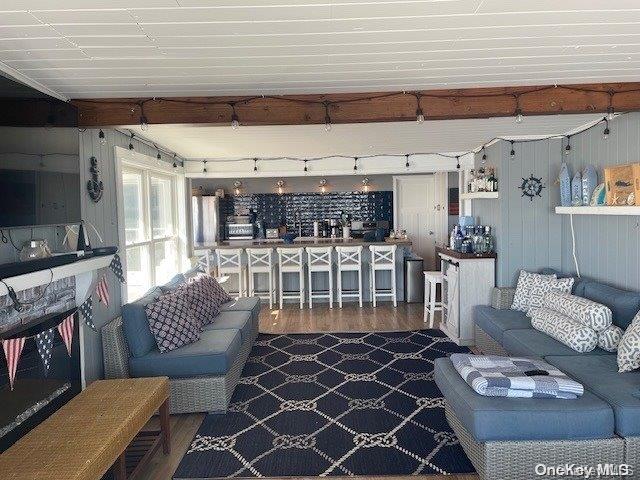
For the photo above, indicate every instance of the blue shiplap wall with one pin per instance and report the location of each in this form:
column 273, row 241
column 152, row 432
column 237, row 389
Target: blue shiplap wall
column 608, row 247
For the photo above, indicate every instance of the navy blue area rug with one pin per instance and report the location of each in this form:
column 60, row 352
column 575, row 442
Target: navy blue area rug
column 332, row 404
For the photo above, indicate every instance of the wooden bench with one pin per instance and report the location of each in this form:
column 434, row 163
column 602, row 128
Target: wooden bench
column 88, row 435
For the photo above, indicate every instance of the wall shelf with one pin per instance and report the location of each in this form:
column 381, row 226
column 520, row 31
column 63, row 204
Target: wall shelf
column 599, row 210
column 478, row 195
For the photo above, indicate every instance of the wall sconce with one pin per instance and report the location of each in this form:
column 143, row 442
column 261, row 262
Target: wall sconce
column 323, row 185
column 280, row 186
column 237, row 186
column 365, row 184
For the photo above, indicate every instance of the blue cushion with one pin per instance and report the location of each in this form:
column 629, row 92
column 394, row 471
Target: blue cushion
column 247, row 304
column 238, row 320
column 495, row 322
column 174, row 283
column 623, row 303
column 136, row 326
column 500, row 418
column 212, row 355
column 578, row 284
column 533, row 343
column 599, row 374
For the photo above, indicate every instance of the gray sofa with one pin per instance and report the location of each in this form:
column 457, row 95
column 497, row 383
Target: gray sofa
column 505, row 438
column 203, row 374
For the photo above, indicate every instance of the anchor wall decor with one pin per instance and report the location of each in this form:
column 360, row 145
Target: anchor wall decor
column 94, row 184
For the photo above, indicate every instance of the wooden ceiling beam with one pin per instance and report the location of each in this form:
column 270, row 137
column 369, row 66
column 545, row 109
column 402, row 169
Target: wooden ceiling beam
column 362, row 107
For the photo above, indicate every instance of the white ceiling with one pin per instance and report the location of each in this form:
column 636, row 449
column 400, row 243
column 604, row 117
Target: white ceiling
column 300, row 141
column 116, row 48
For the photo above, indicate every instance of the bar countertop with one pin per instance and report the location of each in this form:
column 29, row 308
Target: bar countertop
column 300, row 242
column 463, row 256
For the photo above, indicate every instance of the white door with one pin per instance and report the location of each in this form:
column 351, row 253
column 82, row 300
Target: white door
column 419, row 210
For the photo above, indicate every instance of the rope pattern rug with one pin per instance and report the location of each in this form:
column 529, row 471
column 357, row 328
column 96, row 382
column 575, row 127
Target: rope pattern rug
column 332, row 404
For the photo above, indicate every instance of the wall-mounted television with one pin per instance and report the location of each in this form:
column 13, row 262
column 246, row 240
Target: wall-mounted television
column 39, row 158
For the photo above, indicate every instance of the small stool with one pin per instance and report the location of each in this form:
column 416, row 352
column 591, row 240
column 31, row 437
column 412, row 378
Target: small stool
column 349, row 260
column 230, row 263
column 291, row 260
column 431, row 280
column 319, row 259
column 383, row 259
column 261, row 261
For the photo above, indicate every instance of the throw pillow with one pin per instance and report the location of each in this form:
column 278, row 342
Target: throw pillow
column 573, row 334
column 629, row 347
column 592, row 314
column 610, row 337
column 526, row 281
column 541, row 288
column 203, row 301
column 219, row 294
column 172, row 322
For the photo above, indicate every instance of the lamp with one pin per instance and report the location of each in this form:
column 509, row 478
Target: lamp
column 237, row 185
column 323, row 185
column 365, row 184
column 280, row 184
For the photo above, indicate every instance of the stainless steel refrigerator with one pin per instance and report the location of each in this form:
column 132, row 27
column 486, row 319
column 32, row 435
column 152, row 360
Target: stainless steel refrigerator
column 206, row 219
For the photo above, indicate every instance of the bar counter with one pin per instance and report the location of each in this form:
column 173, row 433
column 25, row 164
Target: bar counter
column 300, row 242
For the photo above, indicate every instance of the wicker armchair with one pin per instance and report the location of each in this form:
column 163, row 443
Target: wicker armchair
column 501, row 299
column 188, row 395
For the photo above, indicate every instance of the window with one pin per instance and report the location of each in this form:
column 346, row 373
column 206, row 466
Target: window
column 151, row 218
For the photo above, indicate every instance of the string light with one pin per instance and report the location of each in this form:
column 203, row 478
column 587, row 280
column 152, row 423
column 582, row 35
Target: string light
column 255, row 165
column 158, row 156
column 419, row 112
column 204, row 166
column 131, row 142
column 606, row 131
column 365, row 184
column 611, row 114
column 406, row 164
column 175, row 163
column 280, row 184
column 567, row 149
column 355, row 164
column 305, row 165
column 512, row 153
column 458, row 162
column 102, row 138
column 484, row 156
column 519, row 116
column 327, row 117
column 323, row 185
column 235, row 123
column 144, row 126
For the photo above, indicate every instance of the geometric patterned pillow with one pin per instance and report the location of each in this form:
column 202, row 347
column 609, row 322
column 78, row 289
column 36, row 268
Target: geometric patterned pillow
column 589, row 313
column 219, row 294
column 629, row 347
column 543, row 286
column 573, row 334
column 171, row 321
column 526, row 282
column 202, row 302
column 610, row 337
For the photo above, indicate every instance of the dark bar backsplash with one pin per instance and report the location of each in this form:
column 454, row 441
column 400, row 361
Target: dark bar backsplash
column 275, row 209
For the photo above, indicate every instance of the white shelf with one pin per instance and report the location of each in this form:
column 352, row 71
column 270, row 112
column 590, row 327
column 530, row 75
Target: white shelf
column 599, row 210
column 43, row 277
column 477, row 195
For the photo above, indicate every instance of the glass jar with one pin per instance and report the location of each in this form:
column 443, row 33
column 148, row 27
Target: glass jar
column 488, row 240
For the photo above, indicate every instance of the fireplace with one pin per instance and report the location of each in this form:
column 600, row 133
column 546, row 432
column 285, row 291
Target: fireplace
column 38, row 392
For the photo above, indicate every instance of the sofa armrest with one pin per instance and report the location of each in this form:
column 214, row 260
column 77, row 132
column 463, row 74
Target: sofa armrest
column 502, row 297
column 115, row 351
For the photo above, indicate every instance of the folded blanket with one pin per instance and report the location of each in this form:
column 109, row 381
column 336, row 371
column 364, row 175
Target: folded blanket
column 496, row 376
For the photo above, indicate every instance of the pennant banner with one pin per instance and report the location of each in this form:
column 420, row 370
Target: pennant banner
column 102, row 290
column 44, row 342
column 86, row 310
column 65, row 329
column 12, row 351
column 116, row 267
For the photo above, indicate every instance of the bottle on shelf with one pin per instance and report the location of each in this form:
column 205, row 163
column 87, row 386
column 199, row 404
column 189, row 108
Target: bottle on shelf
column 492, row 181
column 488, row 240
column 471, row 183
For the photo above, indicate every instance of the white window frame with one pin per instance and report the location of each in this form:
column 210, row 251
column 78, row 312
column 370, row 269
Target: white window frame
column 149, row 167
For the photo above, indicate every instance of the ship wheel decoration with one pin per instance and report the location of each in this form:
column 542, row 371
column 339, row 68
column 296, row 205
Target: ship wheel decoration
column 532, row 187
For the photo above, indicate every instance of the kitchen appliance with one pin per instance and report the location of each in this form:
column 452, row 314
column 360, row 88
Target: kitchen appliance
column 360, row 228
column 272, row 233
column 240, row 227
column 334, row 225
column 206, row 219
column 413, row 280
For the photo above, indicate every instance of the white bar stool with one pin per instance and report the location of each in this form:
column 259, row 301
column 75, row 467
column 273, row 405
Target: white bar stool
column 431, row 280
column 261, row 261
column 320, row 259
column 230, row 263
column 383, row 259
column 203, row 259
column 349, row 260
column 291, row 260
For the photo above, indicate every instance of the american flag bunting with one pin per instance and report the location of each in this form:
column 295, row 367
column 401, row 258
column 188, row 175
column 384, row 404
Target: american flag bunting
column 65, row 329
column 44, row 342
column 116, row 267
column 102, row 290
column 86, row 310
column 12, row 351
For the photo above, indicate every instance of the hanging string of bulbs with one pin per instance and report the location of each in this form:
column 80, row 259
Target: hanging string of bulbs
column 457, row 156
column 176, row 161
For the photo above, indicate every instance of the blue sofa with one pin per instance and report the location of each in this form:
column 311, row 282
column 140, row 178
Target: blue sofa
column 203, row 374
column 505, row 438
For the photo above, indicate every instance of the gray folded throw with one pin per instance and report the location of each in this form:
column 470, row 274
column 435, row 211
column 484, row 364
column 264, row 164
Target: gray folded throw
column 496, row 376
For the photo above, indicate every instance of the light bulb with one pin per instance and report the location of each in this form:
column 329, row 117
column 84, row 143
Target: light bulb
column 102, row 138
column 158, row 156
column 512, row 153
column 235, row 124
column 323, row 189
column 327, row 125
column 144, row 126
column 519, row 116
column 605, row 133
column 419, row 115
column 567, row 149
column 610, row 113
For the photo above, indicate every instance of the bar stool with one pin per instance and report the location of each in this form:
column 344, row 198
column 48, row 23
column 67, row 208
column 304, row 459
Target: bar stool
column 230, row 263
column 383, row 259
column 261, row 261
column 291, row 260
column 320, row 259
column 349, row 260
column 431, row 280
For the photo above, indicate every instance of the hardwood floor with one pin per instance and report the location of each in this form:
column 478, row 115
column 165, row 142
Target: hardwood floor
column 293, row 320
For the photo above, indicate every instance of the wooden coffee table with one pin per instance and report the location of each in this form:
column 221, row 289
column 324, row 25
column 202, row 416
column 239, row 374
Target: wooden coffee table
column 91, row 433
